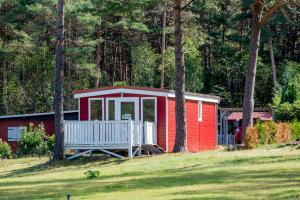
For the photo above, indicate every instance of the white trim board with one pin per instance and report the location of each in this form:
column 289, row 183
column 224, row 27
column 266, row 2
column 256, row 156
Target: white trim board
column 147, row 92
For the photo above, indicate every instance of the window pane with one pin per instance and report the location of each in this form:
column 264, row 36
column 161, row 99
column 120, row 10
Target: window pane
column 111, row 109
column 96, row 110
column 127, row 110
column 149, row 110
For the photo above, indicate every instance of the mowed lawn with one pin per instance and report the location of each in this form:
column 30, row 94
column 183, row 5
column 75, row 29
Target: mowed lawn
column 267, row 173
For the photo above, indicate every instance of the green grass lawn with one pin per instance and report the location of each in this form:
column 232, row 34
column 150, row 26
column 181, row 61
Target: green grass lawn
column 266, row 173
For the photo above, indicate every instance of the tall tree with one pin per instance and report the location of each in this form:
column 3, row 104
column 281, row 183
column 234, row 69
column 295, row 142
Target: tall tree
column 180, row 141
column 273, row 62
column 58, row 99
column 258, row 22
column 163, row 45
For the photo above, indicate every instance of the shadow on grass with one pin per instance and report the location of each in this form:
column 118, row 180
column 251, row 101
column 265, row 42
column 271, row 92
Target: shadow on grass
column 79, row 163
column 80, row 187
column 199, row 175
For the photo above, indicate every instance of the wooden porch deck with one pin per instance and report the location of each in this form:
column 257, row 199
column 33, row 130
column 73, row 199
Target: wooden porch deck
column 109, row 135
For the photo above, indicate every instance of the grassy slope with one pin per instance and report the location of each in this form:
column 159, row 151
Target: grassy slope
column 272, row 173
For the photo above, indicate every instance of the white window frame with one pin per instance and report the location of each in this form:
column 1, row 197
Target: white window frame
column 107, row 107
column 200, row 111
column 95, row 99
column 155, row 107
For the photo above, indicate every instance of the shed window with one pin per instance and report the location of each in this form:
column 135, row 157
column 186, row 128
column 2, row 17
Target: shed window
column 96, row 109
column 111, row 109
column 199, row 111
column 149, row 110
column 13, row 133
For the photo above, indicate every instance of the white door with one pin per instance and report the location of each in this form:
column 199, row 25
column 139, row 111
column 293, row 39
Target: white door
column 123, row 108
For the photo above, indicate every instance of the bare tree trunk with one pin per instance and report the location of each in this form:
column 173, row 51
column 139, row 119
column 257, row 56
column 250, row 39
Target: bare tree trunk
column 273, row 64
column 248, row 104
column 98, row 60
column 163, row 46
column 69, row 89
column 180, row 141
column 58, row 99
column 4, row 85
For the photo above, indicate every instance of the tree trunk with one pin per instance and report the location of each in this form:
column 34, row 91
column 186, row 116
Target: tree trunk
column 163, row 46
column 69, row 89
column 98, row 61
column 58, row 99
column 273, row 64
column 248, row 104
column 4, row 85
column 180, row 141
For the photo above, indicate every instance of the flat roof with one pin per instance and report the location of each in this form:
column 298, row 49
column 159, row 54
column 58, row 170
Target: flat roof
column 143, row 90
column 35, row 114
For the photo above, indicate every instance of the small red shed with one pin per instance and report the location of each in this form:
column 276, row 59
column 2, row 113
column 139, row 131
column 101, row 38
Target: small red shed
column 155, row 107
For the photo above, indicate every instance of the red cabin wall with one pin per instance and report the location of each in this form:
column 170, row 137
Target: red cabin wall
column 200, row 135
column 5, row 123
column 161, row 112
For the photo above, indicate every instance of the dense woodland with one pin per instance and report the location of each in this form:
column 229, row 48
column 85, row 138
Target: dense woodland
column 113, row 42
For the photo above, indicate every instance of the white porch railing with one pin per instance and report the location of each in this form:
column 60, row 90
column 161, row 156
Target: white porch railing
column 150, row 133
column 108, row 134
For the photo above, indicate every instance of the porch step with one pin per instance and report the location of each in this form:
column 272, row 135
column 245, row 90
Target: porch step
column 152, row 149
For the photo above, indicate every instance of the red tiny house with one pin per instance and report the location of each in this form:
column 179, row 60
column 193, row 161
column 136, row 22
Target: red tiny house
column 128, row 118
column 201, row 132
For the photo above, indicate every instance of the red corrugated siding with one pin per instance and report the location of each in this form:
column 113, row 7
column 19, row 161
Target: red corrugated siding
column 161, row 122
column 200, row 135
column 171, row 124
column 4, row 124
column 208, row 126
column 161, row 113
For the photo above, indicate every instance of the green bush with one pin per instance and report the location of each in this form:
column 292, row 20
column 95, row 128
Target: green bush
column 120, row 83
column 295, row 129
column 51, row 142
column 32, row 141
column 261, row 132
column 5, row 150
column 270, row 131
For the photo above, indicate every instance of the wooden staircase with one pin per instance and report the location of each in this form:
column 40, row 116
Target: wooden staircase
column 152, row 149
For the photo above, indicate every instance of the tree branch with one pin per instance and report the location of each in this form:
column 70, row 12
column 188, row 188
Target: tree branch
column 270, row 12
column 186, row 5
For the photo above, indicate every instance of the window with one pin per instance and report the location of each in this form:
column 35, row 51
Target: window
column 199, row 111
column 149, row 110
column 13, row 134
column 96, row 109
column 111, row 109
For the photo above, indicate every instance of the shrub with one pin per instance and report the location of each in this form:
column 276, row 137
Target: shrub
column 251, row 139
column 5, row 150
column 51, row 142
column 260, row 126
column 283, row 133
column 32, row 141
column 120, row 83
column 270, row 132
column 90, row 174
column 295, row 129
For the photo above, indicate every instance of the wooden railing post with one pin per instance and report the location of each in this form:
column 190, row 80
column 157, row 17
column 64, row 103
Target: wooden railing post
column 140, row 137
column 130, row 136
